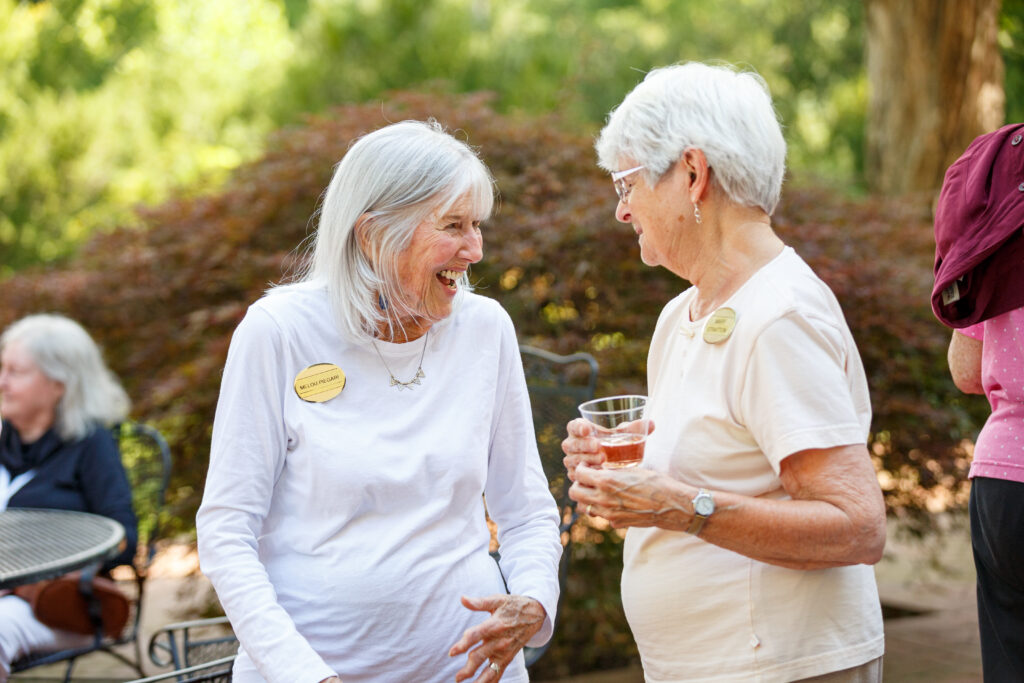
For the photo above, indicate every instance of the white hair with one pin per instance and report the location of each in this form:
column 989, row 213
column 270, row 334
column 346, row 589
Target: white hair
column 724, row 112
column 65, row 353
column 390, row 181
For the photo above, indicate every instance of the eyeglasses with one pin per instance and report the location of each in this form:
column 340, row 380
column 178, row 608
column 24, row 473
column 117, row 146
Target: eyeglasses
column 619, row 180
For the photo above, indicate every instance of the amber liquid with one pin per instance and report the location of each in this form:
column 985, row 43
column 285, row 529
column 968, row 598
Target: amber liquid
column 622, row 450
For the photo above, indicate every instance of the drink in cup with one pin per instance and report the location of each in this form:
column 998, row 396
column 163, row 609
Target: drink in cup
column 621, row 423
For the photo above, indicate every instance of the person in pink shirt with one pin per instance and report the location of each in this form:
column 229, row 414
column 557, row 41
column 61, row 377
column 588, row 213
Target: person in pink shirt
column 987, row 357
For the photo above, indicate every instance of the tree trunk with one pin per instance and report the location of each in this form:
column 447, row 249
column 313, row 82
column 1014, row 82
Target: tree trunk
column 935, row 82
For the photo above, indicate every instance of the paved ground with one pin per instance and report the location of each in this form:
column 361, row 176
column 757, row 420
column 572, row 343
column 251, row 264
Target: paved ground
column 927, row 587
column 936, row 579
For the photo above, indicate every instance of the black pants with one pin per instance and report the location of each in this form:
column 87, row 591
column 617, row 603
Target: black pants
column 997, row 537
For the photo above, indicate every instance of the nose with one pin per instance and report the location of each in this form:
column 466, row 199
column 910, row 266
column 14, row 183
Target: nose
column 472, row 247
column 622, row 212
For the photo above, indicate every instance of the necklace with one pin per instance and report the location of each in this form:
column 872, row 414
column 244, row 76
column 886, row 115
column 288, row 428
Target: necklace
column 395, row 382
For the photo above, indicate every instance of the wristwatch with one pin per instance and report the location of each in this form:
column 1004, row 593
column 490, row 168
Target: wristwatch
column 703, row 506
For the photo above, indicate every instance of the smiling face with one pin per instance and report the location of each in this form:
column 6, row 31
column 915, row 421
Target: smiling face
column 441, row 250
column 28, row 398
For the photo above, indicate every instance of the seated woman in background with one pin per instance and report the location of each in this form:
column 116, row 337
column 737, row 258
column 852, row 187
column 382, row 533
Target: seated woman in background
column 57, row 398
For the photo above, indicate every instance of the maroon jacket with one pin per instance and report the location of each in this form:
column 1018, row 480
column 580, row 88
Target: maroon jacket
column 979, row 231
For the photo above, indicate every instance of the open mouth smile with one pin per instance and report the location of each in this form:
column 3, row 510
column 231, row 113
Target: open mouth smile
column 449, row 278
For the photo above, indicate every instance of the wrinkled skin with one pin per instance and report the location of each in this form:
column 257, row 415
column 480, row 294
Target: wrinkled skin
column 834, row 515
column 625, row 497
column 514, row 620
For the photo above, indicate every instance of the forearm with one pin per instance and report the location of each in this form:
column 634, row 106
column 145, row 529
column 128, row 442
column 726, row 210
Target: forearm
column 798, row 534
column 829, row 511
column 530, row 552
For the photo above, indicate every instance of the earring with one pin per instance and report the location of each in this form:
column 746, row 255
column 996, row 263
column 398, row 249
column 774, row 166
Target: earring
column 696, row 212
column 382, row 302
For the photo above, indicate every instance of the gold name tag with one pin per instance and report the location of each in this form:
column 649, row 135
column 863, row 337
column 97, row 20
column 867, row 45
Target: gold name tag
column 720, row 325
column 319, row 382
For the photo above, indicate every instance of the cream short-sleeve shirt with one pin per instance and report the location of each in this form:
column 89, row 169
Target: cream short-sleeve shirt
column 788, row 378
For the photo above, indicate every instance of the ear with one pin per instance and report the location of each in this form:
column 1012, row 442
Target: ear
column 695, row 165
column 57, row 390
column 362, row 230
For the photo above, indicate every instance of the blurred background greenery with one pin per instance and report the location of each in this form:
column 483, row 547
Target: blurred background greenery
column 106, row 104
column 160, row 160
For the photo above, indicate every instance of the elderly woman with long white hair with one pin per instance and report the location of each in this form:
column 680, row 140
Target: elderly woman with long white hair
column 756, row 512
column 364, row 414
column 57, row 398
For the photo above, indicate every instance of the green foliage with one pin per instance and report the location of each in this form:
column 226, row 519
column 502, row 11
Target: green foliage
column 142, row 461
column 105, row 104
column 1011, row 42
column 163, row 302
column 581, row 56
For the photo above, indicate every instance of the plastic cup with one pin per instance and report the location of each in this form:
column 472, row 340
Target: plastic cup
column 621, row 423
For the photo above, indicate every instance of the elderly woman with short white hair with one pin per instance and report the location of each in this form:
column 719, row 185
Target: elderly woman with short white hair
column 756, row 512
column 364, row 414
column 57, row 397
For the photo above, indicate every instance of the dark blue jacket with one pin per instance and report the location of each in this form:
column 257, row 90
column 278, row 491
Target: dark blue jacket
column 84, row 475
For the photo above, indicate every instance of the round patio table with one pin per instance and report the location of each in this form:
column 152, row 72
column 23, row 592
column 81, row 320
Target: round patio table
column 38, row 544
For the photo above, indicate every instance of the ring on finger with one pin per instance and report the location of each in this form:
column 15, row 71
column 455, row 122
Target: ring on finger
column 588, row 509
column 495, row 667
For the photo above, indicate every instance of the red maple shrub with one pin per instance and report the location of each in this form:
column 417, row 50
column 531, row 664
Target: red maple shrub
column 163, row 302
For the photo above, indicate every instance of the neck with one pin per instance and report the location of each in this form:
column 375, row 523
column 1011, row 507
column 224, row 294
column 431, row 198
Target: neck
column 738, row 242
column 31, row 430
column 404, row 331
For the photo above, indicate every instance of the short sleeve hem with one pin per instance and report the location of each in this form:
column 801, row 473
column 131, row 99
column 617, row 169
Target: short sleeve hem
column 831, row 436
column 975, row 331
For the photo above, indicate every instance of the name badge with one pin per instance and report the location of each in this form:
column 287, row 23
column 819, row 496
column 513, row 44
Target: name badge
column 319, row 382
column 720, row 325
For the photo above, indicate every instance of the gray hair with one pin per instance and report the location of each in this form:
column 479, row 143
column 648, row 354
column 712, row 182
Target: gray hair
column 392, row 179
column 65, row 353
column 724, row 112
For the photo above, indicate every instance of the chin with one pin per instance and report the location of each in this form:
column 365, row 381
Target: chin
column 648, row 259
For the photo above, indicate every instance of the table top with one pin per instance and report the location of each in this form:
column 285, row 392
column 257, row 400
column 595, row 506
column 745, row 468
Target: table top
column 42, row 544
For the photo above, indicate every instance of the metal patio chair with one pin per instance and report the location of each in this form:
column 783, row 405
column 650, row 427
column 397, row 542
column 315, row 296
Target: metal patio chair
column 147, row 461
column 216, row 671
column 191, row 643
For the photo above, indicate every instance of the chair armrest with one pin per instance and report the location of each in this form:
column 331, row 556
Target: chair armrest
column 177, row 644
column 217, row 671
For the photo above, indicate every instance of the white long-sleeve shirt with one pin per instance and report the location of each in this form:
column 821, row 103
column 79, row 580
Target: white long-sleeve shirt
column 340, row 535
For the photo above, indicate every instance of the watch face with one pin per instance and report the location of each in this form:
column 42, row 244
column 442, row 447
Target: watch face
column 704, row 504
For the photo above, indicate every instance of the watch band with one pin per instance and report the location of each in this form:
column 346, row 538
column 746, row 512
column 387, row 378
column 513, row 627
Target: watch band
column 697, row 524
column 698, row 519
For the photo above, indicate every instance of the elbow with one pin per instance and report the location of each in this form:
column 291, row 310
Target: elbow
column 967, row 383
column 870, row 541
column 873, row 549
